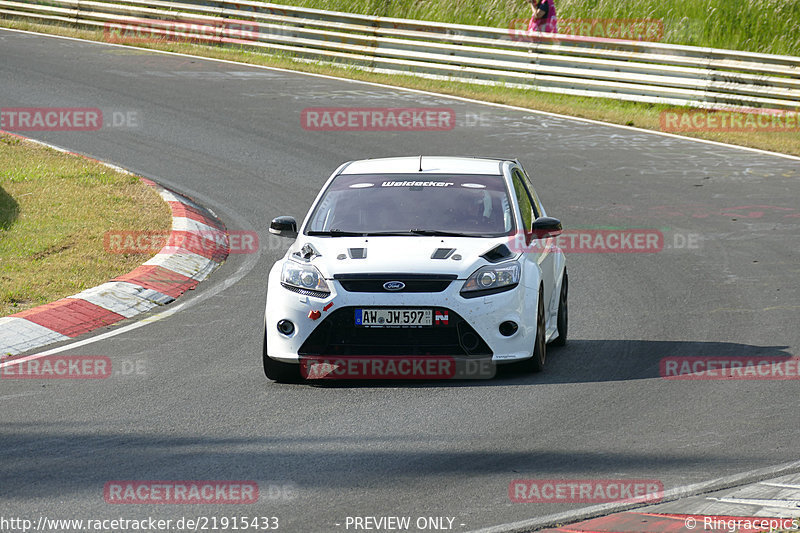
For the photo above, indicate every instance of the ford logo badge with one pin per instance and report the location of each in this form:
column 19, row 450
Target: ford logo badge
column 394, row 285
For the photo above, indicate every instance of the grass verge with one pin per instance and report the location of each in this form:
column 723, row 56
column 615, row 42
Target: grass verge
column 54, row 210
column 770, row 27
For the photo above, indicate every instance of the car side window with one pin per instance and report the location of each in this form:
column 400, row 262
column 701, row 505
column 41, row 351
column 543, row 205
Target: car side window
column 537, row 207
column 524, row 201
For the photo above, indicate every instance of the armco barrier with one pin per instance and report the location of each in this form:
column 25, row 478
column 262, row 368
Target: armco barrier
column 588, row 66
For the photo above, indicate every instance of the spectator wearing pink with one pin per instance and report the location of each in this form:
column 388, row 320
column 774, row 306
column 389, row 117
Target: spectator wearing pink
column 544, row 16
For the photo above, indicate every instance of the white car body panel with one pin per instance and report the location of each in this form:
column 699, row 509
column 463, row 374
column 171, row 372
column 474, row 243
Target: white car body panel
column 382, row 254
column 412, row 254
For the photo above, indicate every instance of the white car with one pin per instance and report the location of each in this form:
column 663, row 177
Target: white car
column 418, row 257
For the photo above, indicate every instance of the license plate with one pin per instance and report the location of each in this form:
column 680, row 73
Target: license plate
column 382, row 318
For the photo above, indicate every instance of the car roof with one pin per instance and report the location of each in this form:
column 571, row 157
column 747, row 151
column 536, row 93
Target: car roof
column 429, row 165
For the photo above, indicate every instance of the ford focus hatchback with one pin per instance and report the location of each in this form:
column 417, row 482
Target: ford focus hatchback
column 418, row 257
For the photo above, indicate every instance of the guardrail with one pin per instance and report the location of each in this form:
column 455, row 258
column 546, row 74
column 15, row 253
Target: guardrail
column 626, row 70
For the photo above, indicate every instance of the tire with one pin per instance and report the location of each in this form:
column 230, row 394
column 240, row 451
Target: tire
column 563, row 313
column 277, row 370
column 536, row 363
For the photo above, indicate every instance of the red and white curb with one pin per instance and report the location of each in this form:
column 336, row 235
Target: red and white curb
column 159, row 281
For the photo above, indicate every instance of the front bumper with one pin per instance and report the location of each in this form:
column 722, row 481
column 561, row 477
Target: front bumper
column 333, row 331
column 450, row 334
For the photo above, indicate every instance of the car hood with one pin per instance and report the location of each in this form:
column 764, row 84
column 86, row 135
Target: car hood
column 424, row 255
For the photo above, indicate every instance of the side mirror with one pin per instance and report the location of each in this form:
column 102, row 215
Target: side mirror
column 283, row 227
column 544, row 227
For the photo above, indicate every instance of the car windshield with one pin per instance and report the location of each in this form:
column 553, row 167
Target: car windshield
column 411, row 204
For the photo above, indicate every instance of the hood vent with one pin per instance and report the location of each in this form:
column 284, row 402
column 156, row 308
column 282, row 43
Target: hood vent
column 442, row 253
column 357, row 253
column 498, row 253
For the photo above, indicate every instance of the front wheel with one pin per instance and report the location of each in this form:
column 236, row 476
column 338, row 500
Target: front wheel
column 536, row 363
column 277, row 370
column 563, row 313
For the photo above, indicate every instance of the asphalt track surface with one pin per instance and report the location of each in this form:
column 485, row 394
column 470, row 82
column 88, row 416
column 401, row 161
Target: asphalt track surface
column 230, row 136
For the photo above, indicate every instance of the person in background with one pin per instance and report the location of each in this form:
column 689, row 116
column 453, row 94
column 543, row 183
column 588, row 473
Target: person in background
column 544, row 16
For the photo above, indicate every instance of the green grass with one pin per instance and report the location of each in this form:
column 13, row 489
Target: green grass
column 54, row 211
column 767, row 26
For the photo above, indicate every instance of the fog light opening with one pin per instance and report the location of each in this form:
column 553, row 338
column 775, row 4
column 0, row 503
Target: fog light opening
column 508, row 328
column 286, row 327
column 469, row 341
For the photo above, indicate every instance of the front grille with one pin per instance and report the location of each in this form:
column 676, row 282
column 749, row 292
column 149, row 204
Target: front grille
column 413, row 282
column 337, row 334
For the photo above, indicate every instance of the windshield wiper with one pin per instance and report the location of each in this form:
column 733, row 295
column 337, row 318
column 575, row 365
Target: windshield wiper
column 439, row 233
column 337, row 233
column 422, row 232
column 417, row 232
column 341, row 233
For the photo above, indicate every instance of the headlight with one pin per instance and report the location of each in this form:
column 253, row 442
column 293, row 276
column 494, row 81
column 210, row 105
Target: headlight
column 491, row 279
column 304, row 277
